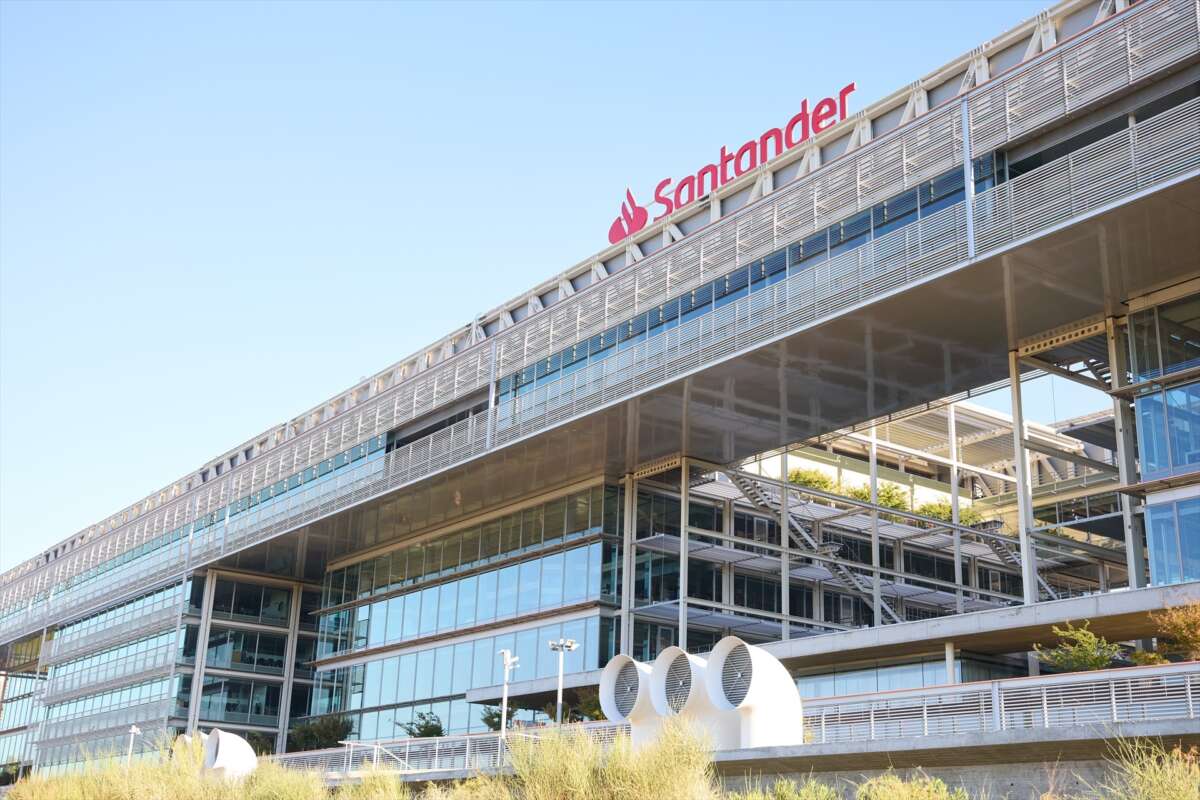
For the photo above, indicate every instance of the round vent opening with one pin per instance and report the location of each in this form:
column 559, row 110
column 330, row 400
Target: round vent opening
column 736, row 673
column 625, row 688
column 679, row 682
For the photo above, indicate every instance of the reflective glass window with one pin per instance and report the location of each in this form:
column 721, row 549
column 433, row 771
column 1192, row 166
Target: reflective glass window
column 529, row 591
column 552, row 581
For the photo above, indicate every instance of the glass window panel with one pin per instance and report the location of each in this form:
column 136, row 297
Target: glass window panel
column 489, row 544
column 531, row 528
column 447, row 605
column 1183, row 421
column 275, row 604
column 552, row 581
column 486, row 602
column 576, row 629
column 466, row 601
column 423, row 688
column 1152, row 434
column 554, row 520
column 461, row 680
column 406, row 677
column 575, row 582
column 376, row 634
column 1179, row 332
column 395, row 619
column 528, row 645
column 429, row 610
column 506, row 600
column 510, row 534
column 595, row 568
column 482, row 663
column 387, row 681
column 371, row 683
column 1189, row 538
column 529, row 592
column 443, row 670
column 547, row 658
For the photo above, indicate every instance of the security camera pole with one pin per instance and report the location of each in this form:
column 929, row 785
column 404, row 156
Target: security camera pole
column 561, row 646
column 510, row 663
column 134, row 730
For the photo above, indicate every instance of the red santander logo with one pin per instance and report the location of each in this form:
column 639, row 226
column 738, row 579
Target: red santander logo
column 673, row 195
column 633, row 218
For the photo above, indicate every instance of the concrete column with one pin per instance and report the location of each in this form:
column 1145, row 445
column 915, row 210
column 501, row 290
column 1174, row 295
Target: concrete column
column 628, row 562
column 951, row 674
column 289, row 669
column 1131, row 523
column 952, row 437
column 876, row 589
column 727, row 569
column 210, row 588
column 1029, row 573
column 683, row 551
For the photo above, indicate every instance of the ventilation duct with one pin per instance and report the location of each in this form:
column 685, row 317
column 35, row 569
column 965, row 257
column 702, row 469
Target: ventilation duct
column 678, row 689
column 625, row 697
column 752, row 684
column 228, row 755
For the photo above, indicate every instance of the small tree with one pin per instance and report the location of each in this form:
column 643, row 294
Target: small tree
column 319, row 733
column 424, row 724
column 813, row 479
column 1078, row 650
column 1179, row 631
column 490, row 716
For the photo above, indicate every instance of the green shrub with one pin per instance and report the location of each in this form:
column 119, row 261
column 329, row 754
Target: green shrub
column 813, row 479
column 787, row 789
column 1078, row 650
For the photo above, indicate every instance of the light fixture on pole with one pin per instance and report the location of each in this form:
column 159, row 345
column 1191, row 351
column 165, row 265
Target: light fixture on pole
column 561, row 647
column 510, row 663
column 134, row 730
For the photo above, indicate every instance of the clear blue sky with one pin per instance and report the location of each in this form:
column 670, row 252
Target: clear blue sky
column 214, row 216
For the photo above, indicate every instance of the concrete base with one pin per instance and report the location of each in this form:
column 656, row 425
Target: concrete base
column 1023, row 781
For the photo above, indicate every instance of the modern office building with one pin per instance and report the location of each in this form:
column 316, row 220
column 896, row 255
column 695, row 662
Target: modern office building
column 600, row 458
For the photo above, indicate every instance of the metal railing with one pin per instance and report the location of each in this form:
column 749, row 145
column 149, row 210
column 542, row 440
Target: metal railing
column 1150, row 37
column 476, row 751
column 1089, row 699
column 1104, row 698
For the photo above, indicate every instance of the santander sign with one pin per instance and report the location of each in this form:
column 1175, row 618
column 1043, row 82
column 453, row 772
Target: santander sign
column 673, row 195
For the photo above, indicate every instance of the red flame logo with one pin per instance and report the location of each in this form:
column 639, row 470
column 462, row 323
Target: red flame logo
column 633, row 218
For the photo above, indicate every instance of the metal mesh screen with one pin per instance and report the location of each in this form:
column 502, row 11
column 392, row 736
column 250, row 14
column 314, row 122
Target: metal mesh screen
column 736, row 674
column 679, row 682
column 625, row 690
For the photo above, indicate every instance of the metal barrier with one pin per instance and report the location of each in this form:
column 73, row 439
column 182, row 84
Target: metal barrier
column 1086, row 699
column 1135, row 694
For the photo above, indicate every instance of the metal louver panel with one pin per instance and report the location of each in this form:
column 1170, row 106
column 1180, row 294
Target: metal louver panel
column 736, row 673
column 625, row 689
column 679, row 682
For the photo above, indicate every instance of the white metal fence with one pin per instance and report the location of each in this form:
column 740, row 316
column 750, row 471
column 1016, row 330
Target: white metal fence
column 1097, row 700
column 1136, row 694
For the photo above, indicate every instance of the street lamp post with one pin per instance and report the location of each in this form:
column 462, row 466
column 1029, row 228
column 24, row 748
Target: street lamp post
column 562, row 646
column 134, row 730
column 510, row 663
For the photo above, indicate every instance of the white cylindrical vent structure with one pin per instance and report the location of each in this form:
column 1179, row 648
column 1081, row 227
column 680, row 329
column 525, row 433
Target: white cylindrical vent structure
column 677, row 689
column 625, row 697
column 750, row 682
column 228, row 755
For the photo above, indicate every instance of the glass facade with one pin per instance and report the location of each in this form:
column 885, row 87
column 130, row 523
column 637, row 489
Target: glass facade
column 250, row 702
column 382, row 695
column 890, row 677
column 1173, row 539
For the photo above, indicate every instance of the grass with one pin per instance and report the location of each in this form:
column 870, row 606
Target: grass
column 571, row 765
